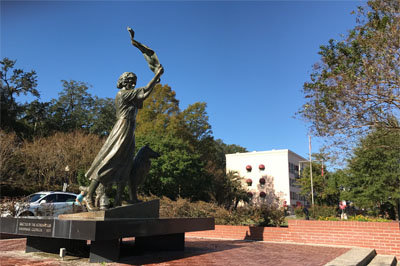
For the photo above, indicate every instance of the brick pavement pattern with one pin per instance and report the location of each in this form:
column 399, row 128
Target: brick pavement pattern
column 197, row 252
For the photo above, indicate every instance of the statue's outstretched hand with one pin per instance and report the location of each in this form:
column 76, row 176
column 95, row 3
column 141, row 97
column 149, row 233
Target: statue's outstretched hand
column 131, row 32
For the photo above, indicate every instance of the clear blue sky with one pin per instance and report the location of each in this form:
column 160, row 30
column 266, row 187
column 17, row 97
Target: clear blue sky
column 246, row 60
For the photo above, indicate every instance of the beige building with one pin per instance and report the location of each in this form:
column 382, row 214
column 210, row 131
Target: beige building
column 269, row 175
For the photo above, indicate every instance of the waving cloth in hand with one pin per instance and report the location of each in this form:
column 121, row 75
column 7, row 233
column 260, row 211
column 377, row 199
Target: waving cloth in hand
column 148, row 53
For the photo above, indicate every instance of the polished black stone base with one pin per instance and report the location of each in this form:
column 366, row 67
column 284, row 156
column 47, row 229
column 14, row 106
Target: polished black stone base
column 104, row 250
column 47, row 234
column 53, row 245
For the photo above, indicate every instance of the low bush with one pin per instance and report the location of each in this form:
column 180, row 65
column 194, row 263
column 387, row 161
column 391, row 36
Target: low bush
column 317, row 212
column 246, row 215
column 358, row 218
column 362, row 218
column 323, row 211
column 9, row 206
column 298, row 211
column 272, row 215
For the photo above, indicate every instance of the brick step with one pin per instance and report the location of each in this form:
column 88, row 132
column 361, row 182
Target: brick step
column 354, row 257
column 383, row 260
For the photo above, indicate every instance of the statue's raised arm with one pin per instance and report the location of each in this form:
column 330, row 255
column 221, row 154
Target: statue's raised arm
column 148, row 53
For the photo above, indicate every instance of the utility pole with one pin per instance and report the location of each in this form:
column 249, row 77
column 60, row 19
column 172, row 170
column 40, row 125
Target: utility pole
column 311, row 178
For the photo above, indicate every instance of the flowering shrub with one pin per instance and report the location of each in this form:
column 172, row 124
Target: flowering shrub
column 358, row 218
column 362, row 218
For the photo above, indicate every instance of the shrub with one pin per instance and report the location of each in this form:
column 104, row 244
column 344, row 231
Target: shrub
column 323, row 211
column 298, row 211
column 362, row 218
column 45, row 159
column 319, row 212
column 245, row 215
column 8, row 206
column 10, row 162
column 272, row 216
column 358, row 218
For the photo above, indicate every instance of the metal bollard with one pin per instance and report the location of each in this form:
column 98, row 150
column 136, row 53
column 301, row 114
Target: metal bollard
column 63, row 251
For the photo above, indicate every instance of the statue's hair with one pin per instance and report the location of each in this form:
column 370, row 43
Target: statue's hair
column 122, row 79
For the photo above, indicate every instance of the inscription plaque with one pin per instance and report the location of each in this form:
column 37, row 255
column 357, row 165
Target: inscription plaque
column 42, row 228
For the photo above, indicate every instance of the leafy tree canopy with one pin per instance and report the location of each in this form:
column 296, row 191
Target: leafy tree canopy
column 325, row 184
column 13, row 85
column 77, row 109
column 356, row 85
column 179, row 172
column 373, row 180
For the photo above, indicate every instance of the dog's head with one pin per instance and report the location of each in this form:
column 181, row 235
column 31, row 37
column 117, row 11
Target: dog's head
column 150, row 153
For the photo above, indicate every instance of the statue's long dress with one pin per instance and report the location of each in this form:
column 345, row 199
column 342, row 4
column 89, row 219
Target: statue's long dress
column 114, row 160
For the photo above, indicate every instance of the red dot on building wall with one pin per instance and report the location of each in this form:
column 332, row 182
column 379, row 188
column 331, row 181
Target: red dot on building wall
column 262, row 180
column 262, row 194
column 249, row 181
column 250, row 194
column 248, row 168
column 261, row 167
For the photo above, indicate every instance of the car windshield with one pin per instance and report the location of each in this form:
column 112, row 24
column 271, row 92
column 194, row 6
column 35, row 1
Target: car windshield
column 35, row 197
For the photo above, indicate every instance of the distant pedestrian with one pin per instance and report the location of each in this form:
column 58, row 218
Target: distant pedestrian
column 285, row 208
column 342, row 206
column 306, row 212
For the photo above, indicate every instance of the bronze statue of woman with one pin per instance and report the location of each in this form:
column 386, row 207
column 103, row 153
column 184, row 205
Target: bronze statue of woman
column 114, row 161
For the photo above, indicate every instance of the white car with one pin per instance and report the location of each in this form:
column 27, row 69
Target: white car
column 48, row 203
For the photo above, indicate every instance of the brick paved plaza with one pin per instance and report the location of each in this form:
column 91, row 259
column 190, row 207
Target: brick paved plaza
column 198, row 252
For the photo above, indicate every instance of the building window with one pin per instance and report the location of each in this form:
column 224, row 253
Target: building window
column 294, row 169
column 294, row 196
column 293, row 182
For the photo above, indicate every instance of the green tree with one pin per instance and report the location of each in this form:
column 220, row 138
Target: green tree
column 373, row 180
column 181, row 137
column 13, row 85
column 195, row 119
column 192, row 164
column 326, row 185
column 356, row 85
column 228, row 190
column 158, row 110
column 103, row 116
column 37, row 120
column 221, row 149
column 179, row 172
column 73, row 108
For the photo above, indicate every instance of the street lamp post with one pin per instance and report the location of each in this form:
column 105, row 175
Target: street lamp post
column 65, row 185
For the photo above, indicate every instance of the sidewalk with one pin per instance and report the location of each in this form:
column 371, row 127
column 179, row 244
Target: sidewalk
column 197, row 252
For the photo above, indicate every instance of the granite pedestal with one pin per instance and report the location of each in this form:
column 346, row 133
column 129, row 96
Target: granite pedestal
column 47, row 234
